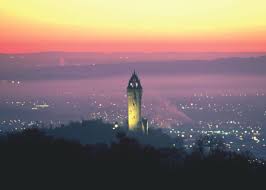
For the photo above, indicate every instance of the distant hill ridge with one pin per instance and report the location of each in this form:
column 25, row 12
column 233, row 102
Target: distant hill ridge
column 94, row 65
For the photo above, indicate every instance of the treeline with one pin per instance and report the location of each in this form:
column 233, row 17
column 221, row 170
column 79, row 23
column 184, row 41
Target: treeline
column 97, row 131
column 34, row 159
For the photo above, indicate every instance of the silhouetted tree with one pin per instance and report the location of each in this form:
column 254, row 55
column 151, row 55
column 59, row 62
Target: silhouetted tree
column 34, row 158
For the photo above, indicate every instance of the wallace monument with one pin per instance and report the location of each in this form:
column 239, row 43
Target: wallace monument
column 134, row 96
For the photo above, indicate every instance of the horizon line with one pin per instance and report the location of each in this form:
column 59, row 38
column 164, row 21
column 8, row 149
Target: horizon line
column 111, row 52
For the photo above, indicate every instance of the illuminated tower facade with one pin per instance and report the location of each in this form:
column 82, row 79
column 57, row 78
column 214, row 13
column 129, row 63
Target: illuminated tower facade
column 134, row 95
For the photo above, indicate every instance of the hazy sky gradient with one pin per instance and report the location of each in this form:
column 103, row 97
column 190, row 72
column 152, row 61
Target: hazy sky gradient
column 119, row 25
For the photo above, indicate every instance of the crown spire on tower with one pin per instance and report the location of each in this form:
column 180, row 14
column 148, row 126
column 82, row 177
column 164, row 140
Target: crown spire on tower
column 134, row 82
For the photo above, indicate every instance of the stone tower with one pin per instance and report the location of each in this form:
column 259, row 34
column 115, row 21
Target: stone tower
column 134, row 95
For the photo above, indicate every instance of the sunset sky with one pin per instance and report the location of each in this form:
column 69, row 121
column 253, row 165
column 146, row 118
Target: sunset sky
column 139, row 25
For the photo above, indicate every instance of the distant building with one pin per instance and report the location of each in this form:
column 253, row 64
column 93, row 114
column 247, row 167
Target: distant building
column 145, row 126
column 134, row 96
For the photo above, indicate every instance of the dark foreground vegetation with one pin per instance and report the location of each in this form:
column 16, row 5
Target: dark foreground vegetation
column 97, row 131
column 33, row 159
